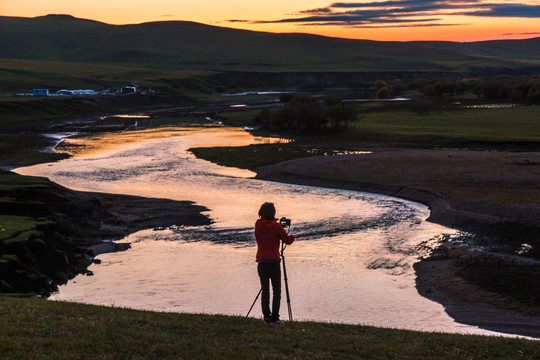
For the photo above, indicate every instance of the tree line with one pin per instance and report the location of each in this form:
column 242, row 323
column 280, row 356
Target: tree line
column 518, row 89
column 306, row 112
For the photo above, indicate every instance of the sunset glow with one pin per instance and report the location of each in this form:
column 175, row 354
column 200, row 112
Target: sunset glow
column 401, row 20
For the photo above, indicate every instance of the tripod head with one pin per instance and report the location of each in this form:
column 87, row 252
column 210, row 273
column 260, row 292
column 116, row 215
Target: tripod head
column 284, row 222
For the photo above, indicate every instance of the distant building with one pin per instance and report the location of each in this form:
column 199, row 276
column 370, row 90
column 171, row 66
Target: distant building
column 65, row 92
column 130, row 89
column 41, row 92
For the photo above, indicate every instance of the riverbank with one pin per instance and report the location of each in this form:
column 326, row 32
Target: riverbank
column 479, row 278
column 50, row 233
column 409, row 172
column 462, row 187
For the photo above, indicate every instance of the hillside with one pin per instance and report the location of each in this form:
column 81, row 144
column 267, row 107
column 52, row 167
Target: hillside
column 188, row 45
column 526, row 49
column 39, row 329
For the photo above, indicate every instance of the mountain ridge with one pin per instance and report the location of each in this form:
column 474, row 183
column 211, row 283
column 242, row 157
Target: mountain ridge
column 186, row 44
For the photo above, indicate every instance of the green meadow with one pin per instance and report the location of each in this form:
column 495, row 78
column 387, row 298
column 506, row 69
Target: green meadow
column 450, row 128
column 23, row 75
column 33, row 248
column 41, row 329
column 390, row 125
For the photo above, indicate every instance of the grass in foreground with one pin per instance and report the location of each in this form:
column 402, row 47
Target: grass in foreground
column 40, row 329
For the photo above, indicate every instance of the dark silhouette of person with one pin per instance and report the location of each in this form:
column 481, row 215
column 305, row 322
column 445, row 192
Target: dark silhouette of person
column 269, row 235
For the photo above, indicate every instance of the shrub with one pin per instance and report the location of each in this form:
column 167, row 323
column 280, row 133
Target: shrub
column 305, row 112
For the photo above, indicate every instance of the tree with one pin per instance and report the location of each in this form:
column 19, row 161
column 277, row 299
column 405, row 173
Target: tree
column 383, row 93
column 533, row 96
column 341, row 117
column 397, row 87
column 379, row 84
column 422, row 106
column 305, row 112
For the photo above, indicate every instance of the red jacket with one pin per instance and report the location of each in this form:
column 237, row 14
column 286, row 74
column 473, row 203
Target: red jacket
column 268, row 234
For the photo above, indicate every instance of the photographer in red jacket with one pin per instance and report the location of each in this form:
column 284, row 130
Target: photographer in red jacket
column 269, row 233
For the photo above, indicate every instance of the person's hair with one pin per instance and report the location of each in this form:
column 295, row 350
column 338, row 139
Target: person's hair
column 267, row 211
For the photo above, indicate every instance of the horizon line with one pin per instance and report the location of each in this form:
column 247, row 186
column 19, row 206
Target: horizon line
column 533, row 35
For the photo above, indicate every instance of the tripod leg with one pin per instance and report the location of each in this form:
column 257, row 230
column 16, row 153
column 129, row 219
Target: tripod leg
column 287, row 288
column 254, row 301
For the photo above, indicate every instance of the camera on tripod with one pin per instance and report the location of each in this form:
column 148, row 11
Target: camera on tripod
column 284, row 222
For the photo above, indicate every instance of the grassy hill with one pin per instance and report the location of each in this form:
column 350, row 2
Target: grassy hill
column 188, row 45
column 526, row 49
column 40, row 329
column 21, row 75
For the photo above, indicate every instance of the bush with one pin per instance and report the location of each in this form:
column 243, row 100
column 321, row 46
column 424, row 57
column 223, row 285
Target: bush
column 533, row 96
column 501, row 88
column 383, row 93
column 305, row 112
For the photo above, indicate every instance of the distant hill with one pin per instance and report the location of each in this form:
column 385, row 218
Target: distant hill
column 188, row 45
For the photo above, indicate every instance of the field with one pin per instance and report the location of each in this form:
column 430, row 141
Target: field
column 23, row 75
column 473, row 127
column 40, row 329
column 383, row 126
column 444, row 128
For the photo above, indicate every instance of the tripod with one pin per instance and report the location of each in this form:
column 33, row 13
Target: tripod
column 283, row 246
column 254, row 301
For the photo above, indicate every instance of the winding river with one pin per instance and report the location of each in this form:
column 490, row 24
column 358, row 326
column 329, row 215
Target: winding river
column 351, row 263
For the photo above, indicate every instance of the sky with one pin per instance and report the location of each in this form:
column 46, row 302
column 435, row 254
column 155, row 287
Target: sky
column 383, row 20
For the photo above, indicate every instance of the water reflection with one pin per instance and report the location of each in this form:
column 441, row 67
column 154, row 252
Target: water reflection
column 106, row 142
column 351, row 262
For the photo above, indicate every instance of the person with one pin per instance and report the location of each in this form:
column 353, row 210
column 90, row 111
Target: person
column 269, row 233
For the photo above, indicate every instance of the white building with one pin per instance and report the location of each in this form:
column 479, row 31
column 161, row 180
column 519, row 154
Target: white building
column 130, row 89
column 65, row 92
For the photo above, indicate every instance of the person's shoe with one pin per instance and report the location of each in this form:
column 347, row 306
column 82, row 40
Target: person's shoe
column 276, row 322
column 267, row 320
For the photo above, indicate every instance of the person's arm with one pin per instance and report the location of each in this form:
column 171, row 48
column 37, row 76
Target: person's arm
column 287, row 239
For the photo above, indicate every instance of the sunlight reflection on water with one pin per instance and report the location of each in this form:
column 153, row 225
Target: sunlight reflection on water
column 352, row 261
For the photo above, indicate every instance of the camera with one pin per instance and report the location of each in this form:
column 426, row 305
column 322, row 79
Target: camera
column 285, row 222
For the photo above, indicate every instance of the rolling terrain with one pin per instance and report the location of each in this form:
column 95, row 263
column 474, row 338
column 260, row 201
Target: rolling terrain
column 188, row 45
column 186, row 62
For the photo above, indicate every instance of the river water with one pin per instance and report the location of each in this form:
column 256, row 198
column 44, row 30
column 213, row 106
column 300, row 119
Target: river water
column 351, row 263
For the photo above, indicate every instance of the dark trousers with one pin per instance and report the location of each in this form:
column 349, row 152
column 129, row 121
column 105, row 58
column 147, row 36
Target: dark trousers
column 270, row 272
